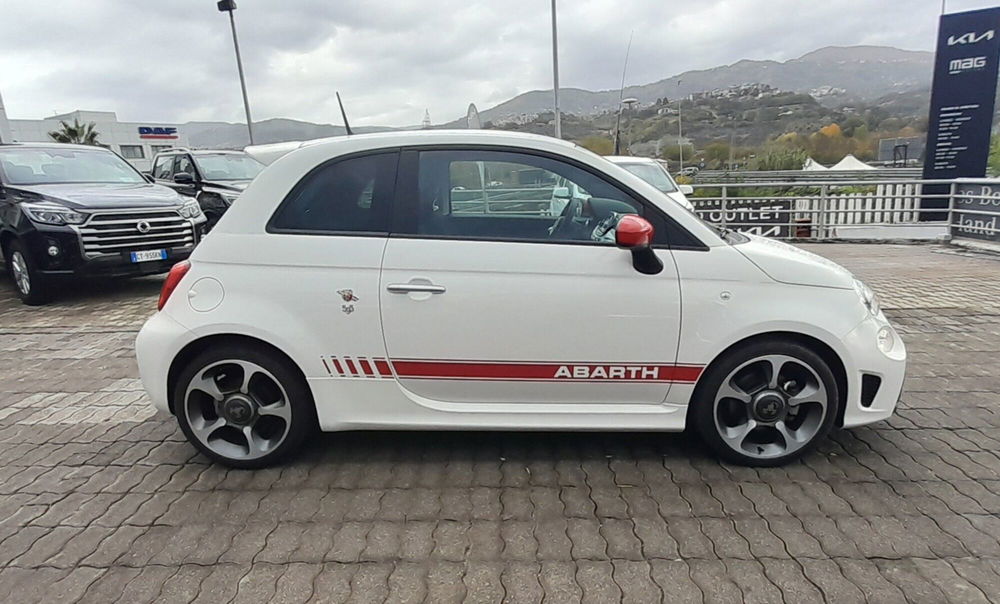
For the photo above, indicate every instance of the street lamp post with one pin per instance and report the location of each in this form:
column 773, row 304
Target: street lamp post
column 680, row 132
column 228, row 6
column 555, row 72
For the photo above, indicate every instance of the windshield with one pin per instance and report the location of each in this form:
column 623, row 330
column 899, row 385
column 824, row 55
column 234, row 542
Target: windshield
column 654, row 175
column 23, row 166
column 228, row 166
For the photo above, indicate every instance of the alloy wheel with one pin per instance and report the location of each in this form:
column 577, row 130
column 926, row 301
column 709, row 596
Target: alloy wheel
column 770, row 406
column 237, row 409
column 19, row 268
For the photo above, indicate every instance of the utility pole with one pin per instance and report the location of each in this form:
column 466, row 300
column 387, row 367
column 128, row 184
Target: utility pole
column 731, row 137
column 555, row 71
column 228, row 6
column 680, row 131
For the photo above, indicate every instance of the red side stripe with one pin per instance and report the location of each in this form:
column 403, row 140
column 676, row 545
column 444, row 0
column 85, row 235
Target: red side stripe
column 545, row 371
column 366, row 367
column 350, row 366
column 336, row 365
column 383, row 367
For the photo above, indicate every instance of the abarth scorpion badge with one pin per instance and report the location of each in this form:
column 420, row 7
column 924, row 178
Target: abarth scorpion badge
column 348, row 296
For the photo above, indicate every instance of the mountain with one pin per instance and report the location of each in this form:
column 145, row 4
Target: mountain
column 225, row 135
column 838, row 73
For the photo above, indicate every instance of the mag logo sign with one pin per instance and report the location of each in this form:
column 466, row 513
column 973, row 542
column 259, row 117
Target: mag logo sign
column 962, row 97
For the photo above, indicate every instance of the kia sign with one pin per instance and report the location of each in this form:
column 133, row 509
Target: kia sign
column 962, row 99
column 157, row 132
column 977, row 211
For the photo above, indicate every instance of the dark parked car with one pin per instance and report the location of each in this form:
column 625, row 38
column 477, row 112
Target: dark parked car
column 71, row 211
column 214, row 178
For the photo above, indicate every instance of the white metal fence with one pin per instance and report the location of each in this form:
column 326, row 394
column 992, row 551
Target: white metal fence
column 864, row 209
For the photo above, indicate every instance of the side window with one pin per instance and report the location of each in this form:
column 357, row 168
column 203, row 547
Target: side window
column 350, row 195
column 162, row 168
column 509, row 195
column 183, row 163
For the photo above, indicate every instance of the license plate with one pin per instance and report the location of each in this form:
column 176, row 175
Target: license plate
column 147, row 255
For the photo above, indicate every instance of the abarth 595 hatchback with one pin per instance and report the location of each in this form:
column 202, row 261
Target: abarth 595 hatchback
column 420, row 281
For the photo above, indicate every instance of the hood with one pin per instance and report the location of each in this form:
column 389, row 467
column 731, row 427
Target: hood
column 789, row 264
column 86, row 196
column 232, row 185
column 678, row 198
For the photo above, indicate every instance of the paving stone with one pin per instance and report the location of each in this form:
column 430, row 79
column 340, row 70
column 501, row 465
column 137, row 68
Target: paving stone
column 102, row 501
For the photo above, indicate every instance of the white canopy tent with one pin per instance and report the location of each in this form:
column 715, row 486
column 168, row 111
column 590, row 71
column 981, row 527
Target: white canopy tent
column 811, row 165
column 851, row 163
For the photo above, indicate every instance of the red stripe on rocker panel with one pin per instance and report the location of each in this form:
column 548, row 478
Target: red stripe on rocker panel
column 546, row 371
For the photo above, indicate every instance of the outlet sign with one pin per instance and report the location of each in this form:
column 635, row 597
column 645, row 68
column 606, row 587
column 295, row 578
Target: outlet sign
column 157, row 132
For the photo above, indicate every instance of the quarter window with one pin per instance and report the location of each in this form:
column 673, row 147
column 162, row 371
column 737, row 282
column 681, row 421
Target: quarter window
column 508, row 195
column 350, row 195
column 162, row 168
column 183, row 163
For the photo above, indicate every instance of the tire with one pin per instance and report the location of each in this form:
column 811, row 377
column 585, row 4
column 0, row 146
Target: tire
column 275, row 405
column 33, row 288
column 748, row 417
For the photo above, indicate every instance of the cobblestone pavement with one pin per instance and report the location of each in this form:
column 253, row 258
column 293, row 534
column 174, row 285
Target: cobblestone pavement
column 102, row 501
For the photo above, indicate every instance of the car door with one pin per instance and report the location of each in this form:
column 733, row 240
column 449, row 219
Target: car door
column 488, row 298
column 163, row 170
column 183, row 164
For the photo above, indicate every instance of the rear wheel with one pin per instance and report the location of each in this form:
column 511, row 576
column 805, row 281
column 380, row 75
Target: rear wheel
column 766, row 403
column 32, row 287
column 243, row 407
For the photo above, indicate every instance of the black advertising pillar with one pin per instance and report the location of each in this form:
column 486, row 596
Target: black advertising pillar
column 966, row 64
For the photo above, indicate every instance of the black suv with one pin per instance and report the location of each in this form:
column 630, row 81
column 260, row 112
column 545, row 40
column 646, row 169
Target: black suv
column 214, row 178
column 75, row 211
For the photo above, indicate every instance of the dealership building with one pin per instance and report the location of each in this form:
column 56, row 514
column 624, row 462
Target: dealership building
column 137, row 142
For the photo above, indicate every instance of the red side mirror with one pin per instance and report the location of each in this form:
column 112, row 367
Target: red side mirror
column 633, row 232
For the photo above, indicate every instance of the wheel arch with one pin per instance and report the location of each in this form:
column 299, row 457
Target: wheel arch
column 824, row 350
column 196, row 347
column 6, row 237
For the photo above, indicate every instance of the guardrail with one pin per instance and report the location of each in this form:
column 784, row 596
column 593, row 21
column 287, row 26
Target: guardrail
column 861, row 209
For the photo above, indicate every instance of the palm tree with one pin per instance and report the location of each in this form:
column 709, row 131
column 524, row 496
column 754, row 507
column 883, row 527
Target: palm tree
column 77, row 133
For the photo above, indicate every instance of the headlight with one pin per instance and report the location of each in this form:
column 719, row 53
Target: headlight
column 53, row 214
column 229, row 198
column 191, row 209
column 868, row 297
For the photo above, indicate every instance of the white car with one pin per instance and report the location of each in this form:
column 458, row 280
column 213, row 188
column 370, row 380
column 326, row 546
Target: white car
column 655, row 174
column 343, row 293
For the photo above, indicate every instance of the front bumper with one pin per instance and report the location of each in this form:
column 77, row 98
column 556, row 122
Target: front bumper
column 865, row 358
column 71, row 261
column 157, row 345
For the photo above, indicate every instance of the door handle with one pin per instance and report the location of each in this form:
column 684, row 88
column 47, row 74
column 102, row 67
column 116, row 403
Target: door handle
column 414, row 288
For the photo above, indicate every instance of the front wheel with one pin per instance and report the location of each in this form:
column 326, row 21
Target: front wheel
column 766, row 403
column 243, row 407
column 33, row 288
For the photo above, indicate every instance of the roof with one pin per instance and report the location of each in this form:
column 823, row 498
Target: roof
column 52, row 145
column 267, row 154
column 627, row 159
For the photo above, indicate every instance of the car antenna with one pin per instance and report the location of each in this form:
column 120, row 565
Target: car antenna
column 347, row 126
column 621, row 94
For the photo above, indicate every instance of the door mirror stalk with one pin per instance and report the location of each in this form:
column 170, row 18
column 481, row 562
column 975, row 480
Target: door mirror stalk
column 635, row 233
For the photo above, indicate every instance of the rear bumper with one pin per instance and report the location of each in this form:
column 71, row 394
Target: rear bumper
column 157, row 345
column 867, row 359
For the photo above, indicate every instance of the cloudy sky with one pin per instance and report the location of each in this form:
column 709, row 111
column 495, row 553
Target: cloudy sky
column 173, row 60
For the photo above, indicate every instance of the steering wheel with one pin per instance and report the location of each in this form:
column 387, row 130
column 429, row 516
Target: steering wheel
column 563, row 224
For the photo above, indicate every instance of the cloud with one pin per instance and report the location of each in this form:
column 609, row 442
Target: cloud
column 392, row 59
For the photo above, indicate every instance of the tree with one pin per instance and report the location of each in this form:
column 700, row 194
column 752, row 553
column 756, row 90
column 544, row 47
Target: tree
column 77, row 133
